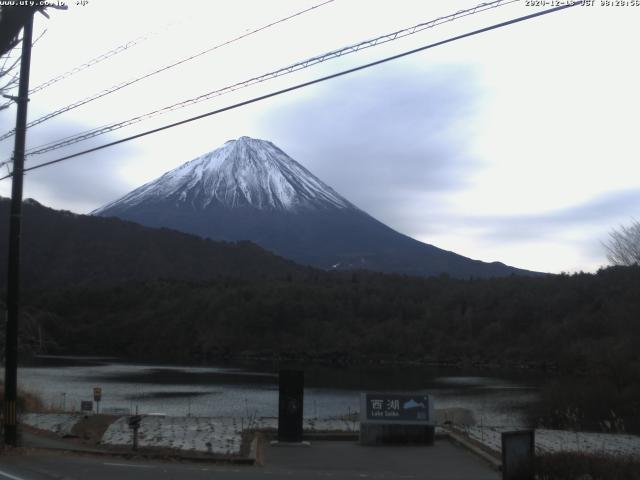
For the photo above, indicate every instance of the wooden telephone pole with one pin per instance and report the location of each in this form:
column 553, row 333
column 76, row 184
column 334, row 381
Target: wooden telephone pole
column 15, row 221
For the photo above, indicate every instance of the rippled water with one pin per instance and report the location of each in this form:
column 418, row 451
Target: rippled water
column 242, row 391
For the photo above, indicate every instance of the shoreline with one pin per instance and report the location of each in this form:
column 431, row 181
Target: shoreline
column 227, row 435
column 329, row 360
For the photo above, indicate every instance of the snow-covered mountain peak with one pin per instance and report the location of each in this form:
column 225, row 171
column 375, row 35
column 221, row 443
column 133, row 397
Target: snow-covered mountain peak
column 245, row 172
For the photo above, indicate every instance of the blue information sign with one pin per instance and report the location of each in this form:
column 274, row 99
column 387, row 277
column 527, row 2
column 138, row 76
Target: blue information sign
column 413, row 408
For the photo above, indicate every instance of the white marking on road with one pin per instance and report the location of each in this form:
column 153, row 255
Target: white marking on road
column 9, row 476
column 128, row 465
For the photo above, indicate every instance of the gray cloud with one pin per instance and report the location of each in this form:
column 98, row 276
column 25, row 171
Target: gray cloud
column 584, row 226
column 608, row 209
column 381, row 139
column 78, row 184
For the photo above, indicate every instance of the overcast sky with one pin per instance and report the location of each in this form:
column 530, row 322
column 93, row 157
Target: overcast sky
column 518, row 145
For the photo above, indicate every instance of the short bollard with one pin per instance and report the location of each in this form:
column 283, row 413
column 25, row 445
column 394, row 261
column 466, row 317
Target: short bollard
column 134, row 424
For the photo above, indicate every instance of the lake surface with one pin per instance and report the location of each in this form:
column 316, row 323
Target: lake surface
column 244, row 391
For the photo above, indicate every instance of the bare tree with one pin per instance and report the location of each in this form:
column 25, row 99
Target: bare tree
column 623, row 246
column 9, row 76
column 12, row 20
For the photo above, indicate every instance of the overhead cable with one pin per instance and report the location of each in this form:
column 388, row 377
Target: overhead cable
column 93, row 61
column 127, row 83
column 305, row 84
column 268, row 76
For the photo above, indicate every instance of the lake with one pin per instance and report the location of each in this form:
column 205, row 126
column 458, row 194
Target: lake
column 496, row 398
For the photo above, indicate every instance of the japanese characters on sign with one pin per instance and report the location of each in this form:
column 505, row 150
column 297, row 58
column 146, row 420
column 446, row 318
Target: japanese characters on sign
column 392, row 407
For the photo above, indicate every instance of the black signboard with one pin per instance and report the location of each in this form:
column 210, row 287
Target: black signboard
column 134, row 421
column 413, row 408
column 86, row 406
column 290, row 406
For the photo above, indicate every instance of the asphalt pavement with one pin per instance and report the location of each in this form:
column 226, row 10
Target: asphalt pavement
column 442, row 461
column 323, row 459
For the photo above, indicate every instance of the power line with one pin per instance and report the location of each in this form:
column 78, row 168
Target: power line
column 127, row 83
column 93, row 61
column 6, row 71
column 268, row 76
column 305, row 84
column 100, row 58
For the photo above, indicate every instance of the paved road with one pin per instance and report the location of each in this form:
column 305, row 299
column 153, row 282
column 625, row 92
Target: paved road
column 51, row 466
column 52, row 441
column 443, row 461
column 333, row 460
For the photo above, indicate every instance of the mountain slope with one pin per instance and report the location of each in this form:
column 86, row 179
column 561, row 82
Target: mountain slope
column 242, row 173
column 63, row 249
column 249, row 189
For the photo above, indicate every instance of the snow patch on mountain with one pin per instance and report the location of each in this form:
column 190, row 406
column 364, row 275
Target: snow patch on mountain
column 242, row 172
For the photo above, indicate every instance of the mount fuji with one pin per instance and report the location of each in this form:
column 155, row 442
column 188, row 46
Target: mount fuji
column 249, row 189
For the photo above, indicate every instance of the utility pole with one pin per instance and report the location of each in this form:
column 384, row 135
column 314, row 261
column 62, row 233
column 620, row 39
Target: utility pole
column 15, row 221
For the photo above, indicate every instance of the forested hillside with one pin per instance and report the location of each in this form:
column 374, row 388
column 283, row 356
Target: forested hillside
column 64, row 249
column 565, row 322
column 100, row 286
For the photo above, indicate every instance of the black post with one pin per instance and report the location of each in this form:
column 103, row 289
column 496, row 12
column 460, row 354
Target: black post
column 13, row 284
column 134, row 424
column 290, row 403
column 135, row 437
